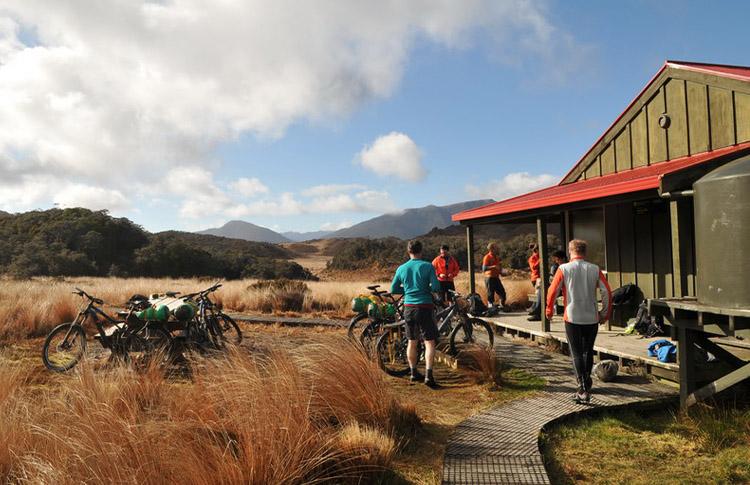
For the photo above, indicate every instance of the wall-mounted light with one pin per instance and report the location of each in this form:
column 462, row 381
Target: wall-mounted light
column 664, row 121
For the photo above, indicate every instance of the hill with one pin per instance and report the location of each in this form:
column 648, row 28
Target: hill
column 409, row 223
column 305, row 236
column 247, row 231
column 80, row 242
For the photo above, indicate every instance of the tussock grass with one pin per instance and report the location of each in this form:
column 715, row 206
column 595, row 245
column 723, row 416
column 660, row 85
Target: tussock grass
column 30, row 308
column 283, row 418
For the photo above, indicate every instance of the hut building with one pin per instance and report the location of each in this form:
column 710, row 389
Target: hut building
column 631, row 197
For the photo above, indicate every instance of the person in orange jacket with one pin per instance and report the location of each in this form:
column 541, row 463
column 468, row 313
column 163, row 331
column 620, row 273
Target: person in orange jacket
column 491, row 266
column 535, row 310
column 446, row 269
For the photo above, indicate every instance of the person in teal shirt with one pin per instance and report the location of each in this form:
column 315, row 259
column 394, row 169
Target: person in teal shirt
column 416, row 280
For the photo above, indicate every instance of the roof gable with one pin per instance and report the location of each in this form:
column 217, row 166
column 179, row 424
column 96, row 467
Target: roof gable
column 707, row 106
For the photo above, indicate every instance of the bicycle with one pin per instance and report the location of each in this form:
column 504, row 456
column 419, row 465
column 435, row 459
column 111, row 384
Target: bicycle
column 209, row 326
column 464, row 333
column 131, row 339
column 385, row 299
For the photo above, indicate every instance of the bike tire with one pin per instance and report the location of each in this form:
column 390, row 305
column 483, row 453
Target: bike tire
column 161, row 342
column 71, row 330
column 230, row 331
column 354, row 323
column 474, row 333
column 391, row 352
column 370, row 335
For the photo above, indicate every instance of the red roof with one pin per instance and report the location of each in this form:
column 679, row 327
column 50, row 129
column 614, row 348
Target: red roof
column 635, row 180
column 629, row 181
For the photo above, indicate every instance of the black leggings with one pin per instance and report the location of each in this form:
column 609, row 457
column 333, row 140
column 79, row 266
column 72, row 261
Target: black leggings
column 581, row 341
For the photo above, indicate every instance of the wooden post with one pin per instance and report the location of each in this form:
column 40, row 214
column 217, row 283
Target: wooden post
column 470, row 256
column 567, row 230
column 541, row 234
column 676, row 260
column 686, row 357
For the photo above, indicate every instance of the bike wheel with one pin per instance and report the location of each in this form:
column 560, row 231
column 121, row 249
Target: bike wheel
column 139, row 349
column 369, row 336
column 230, row 331
column 391, row 352
column 160, row 342
column 64, row 347
column 355, row 323
column 472, row 334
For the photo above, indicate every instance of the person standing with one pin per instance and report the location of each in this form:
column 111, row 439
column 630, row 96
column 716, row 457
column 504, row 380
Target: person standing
column 578, row 280
column 535, row 310
column 417, row 281
column 446, row 269
column 491, row 266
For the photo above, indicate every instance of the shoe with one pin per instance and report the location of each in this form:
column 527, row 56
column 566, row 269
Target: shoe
column 580, row 397
column 586, row 397
column 416, row 377
column 534, row 318
column 430, row 382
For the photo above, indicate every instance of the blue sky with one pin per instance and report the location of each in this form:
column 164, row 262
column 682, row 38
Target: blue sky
column 488, row 102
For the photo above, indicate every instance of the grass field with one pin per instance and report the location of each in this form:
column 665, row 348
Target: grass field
column 709, row 445
column 292, row 405
column 30, row 308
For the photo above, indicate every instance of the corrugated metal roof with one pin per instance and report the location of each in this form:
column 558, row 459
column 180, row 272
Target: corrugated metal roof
column 629, row 181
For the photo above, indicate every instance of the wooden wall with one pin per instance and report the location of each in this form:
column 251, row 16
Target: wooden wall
column 639, row 248
column 703, row 116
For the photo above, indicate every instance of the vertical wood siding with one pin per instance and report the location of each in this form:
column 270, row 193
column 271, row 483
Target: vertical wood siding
column 702, row 117
column 639, row 248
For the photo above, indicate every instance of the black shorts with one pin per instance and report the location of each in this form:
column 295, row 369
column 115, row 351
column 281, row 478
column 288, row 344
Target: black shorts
column 444, row 287
column 420, row 319
column 494, row 286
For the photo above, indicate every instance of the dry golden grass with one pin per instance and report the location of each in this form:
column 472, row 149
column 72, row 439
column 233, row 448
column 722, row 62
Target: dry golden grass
column 282, row 418
column 31, row 308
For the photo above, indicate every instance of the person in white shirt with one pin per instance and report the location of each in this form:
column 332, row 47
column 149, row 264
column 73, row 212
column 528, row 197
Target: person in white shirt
column 578, row 281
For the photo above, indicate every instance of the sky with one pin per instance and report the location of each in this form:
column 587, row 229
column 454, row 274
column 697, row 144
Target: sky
column 302, row 116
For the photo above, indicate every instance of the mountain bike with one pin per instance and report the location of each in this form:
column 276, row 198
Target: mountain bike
column 463, row 332
column 362, row 319
column 130, row 339
column 210, row 327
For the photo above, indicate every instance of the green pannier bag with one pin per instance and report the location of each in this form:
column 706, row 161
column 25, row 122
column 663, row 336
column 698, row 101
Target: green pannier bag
column 147, row 314
column 161, row 313
column 359, row 305
column 373, row 311
column 184, row 312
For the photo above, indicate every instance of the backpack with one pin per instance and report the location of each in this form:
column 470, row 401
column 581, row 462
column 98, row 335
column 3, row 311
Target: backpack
column 476, row 305
column 624, row 295
column 655, row 327
column 642, row 319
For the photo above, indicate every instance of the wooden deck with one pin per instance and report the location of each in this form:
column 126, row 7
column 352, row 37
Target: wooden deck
column 628, row 350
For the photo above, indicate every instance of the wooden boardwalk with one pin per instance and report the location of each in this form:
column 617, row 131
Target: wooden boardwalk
column 290, row 321
column 501, row 445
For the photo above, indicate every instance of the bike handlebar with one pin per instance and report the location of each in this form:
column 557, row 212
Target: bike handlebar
column 93, row 299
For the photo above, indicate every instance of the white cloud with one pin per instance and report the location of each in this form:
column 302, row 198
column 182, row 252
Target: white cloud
column 330, row 189
column 94, row 198
column 249, row 187
column 113, row 90
column 335, row 226
column 511, row 185
column 394, row 154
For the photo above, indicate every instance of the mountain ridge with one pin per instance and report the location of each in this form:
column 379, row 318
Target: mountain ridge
column 408, row 223
column 247, row 231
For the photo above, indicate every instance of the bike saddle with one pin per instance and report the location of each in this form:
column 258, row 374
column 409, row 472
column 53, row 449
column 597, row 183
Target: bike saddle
column 373, row 287
column 171, row 294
